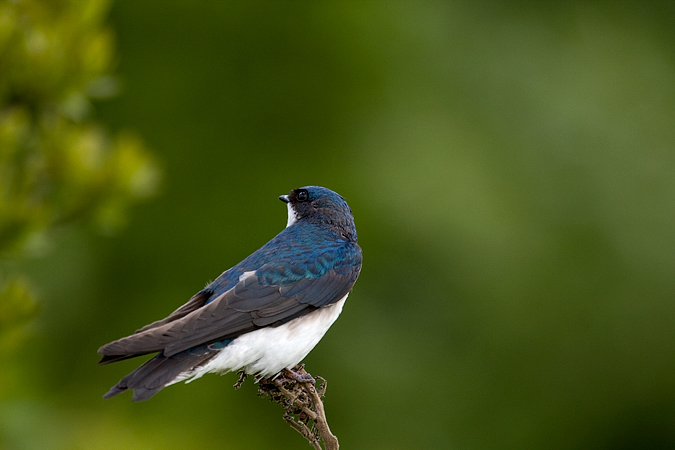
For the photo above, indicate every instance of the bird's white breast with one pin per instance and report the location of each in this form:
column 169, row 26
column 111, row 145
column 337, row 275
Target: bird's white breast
column 265, row 352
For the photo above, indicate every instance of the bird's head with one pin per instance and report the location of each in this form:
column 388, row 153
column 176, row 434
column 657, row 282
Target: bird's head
column 320, row 205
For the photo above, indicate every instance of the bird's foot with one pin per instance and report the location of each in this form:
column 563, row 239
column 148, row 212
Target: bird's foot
column 298, row 374
column 240, row 380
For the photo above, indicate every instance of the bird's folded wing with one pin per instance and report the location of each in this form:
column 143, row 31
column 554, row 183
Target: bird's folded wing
column 197, row 301
column 247, row 306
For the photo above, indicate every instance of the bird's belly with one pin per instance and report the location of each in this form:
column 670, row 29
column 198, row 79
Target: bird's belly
column 267, row 351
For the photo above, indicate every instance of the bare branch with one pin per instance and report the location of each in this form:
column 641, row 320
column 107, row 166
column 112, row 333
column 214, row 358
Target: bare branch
column 295, row 390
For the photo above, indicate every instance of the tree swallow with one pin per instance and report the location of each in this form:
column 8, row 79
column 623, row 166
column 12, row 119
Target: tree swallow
column 261, row 316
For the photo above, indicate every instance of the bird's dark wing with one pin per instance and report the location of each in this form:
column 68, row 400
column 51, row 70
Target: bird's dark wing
column 197, row 301
column 251, row 304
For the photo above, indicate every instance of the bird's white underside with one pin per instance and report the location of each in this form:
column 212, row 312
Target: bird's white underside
column 265, row 352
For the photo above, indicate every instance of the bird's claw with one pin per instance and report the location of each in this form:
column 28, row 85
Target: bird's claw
column 298, row 375
column 240, row 380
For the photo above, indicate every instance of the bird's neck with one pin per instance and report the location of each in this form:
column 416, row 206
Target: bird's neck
column 338, row 228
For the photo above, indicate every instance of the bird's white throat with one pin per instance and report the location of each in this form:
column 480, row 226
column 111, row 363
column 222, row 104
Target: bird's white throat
column 292, row 216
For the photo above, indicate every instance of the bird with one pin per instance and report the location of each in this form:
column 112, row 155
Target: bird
column 262, row 316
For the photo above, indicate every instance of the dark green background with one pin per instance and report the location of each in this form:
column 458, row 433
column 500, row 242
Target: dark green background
column 511, row 169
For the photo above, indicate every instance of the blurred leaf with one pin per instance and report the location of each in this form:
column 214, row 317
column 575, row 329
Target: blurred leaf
column 57, row 165
column 17, row 308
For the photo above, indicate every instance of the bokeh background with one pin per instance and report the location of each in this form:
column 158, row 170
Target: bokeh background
column 511, row 169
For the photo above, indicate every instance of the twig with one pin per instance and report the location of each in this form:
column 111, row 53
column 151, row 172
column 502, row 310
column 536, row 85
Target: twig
column 295, row 390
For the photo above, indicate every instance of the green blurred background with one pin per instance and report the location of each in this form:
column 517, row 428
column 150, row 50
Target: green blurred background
column 511, row 169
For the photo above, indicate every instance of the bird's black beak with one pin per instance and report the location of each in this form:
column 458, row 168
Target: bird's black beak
column 284, row 198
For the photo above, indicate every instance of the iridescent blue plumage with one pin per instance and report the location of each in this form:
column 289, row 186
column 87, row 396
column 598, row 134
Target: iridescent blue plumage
column 296, row 252
column 302, row 275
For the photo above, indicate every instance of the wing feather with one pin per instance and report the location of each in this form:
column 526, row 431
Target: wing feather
column 249, row 305
column 197, row 301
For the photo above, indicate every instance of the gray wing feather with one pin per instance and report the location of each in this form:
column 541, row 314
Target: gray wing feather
column 197, row 301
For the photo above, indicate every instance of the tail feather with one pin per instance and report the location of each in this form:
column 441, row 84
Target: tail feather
column 160, row 371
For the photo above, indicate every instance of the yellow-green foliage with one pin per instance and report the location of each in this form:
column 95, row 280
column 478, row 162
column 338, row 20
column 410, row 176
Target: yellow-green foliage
column 58, row 165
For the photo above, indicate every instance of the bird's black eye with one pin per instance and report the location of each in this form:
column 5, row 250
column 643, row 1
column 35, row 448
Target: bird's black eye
column 302, row 196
